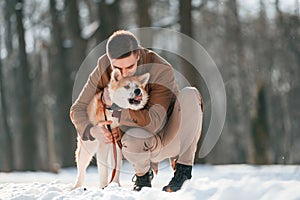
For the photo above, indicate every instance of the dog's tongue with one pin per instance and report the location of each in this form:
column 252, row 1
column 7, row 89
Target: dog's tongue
column 138, row 98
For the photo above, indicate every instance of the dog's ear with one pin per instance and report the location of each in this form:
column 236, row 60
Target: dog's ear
column 144, row 79
column 116, row 75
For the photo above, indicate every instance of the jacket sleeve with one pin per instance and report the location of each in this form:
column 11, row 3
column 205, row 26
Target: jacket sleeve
column 162, row 94
column 78, row 111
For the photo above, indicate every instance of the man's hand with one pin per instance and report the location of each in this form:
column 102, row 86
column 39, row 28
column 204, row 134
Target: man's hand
column 101, row 133
column 115, row 134
column 106, row 98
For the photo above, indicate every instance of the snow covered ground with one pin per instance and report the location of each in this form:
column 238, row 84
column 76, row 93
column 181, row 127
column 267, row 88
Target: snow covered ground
column 208, row 182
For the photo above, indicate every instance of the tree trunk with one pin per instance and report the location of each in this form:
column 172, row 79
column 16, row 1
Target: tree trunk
column 144, row 20
column 48, row 107
column 189, row 71
column 287, row 35
column 239, row 120
column 6, row 143
column 72, row 18
column 8, row 11
column 109, row 15
column 62, row 87
column 74, row 57
column 260, row 130
column 23, row 89
column 185, row 8
column 264, row 50
column 186, row 25
column 297, row 8
column 185, row 20
column 143, row 10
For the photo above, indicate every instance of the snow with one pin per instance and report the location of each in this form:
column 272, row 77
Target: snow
column 208, row 182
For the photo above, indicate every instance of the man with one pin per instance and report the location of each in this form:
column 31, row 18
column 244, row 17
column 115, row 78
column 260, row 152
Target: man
column 169, row 126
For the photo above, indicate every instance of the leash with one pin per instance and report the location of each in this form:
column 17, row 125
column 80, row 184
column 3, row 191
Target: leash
column 113, row 173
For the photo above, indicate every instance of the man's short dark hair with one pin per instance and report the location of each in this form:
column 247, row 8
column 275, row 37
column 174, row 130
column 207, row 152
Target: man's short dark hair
column 121, row 44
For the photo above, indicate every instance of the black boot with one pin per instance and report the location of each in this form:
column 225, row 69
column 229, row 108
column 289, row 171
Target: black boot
column 181, row 174
column 142, row 181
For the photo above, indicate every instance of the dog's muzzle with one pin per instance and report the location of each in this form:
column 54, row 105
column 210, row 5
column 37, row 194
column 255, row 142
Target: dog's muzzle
column 138, row 97
column 134, row 101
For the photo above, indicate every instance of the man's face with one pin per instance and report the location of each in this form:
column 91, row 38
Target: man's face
column 127, row 65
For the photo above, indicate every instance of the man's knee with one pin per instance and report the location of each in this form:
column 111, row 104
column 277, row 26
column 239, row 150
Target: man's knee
column 138, row 140
column 128, row 141
column 190, row 94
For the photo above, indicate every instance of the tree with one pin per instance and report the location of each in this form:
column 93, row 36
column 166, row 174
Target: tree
column 6, row 143
column 185, row 20
column 235, row 64
column 143, row 11
column 24, row 96
column 109, row 17
column 8, row 11
column 144, row 20
column 186, row 27
column 260, row 129
column 60, row 76
column 283, row 83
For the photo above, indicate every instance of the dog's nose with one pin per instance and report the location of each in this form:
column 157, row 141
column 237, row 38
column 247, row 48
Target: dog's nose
column 137, row 92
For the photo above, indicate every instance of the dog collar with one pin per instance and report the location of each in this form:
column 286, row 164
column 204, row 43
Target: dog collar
column 113, row 107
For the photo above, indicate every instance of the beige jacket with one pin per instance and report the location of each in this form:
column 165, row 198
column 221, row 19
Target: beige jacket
column 161, row 87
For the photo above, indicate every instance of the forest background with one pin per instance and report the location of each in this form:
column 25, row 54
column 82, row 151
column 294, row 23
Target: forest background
column 255, row 45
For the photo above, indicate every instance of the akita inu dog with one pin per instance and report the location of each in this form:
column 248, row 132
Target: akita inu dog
column 125, row 93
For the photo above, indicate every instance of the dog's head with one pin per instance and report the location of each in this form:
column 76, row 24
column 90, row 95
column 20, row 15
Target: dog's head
column 128, row 92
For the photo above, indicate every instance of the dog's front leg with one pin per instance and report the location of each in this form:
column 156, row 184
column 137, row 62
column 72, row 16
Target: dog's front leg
column 84, row 154
column 102, row 156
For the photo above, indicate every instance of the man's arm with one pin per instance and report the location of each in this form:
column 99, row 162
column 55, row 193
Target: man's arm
column 78, row 111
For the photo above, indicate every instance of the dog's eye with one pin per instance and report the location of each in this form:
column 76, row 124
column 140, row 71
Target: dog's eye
column 127, row 87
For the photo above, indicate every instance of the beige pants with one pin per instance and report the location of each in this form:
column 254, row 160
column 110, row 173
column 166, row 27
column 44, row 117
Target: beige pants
column 177, row 140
